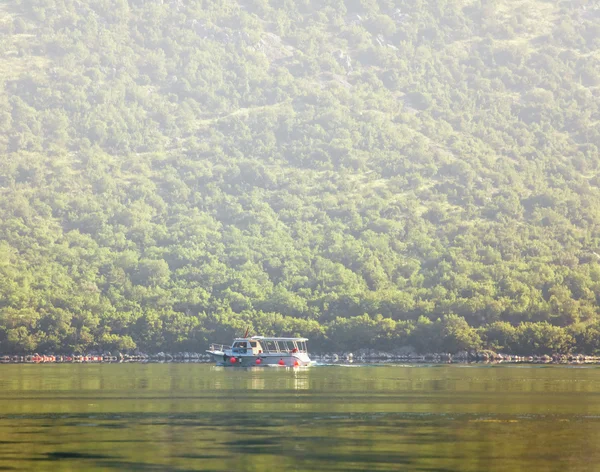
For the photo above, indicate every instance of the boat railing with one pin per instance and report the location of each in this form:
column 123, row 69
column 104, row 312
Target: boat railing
column 218, row 347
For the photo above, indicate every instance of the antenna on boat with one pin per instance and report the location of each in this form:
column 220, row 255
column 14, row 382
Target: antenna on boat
column 246, row 334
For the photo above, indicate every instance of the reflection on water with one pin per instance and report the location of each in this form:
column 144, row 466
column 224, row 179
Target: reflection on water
column 183, row 417
column 254, row 379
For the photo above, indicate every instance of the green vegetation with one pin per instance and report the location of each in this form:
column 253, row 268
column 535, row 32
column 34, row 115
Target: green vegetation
column 373, row 172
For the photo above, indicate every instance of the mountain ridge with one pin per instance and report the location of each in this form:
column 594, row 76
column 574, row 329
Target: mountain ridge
column 396, row 172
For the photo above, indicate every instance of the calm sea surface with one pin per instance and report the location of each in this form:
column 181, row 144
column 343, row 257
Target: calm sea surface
column 184, row 417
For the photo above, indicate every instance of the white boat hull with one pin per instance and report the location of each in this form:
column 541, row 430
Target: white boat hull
column 260, row 360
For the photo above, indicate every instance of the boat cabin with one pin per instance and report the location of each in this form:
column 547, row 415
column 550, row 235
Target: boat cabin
column 262, row 345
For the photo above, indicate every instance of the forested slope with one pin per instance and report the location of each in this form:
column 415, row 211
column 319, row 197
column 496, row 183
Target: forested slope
column 369, row 173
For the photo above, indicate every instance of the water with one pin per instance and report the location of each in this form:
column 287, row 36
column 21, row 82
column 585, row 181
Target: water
column 184, row 417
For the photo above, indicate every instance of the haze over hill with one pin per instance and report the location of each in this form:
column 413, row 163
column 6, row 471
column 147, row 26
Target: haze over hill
column 365, row 173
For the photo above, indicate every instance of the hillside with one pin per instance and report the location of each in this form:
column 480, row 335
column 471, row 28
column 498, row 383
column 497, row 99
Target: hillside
column 363, row 172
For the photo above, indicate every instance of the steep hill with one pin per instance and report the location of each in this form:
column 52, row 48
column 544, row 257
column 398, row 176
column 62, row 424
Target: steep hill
column 174, row 171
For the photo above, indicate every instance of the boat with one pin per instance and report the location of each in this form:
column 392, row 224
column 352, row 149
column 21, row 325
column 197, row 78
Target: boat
column 262, row 351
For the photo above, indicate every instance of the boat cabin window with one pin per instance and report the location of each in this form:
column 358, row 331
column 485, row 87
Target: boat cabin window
column 279, row 345
column 269, row 346
column 240, row 347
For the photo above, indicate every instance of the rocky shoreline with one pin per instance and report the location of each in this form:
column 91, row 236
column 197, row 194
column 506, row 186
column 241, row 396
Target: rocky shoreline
column 361, row 356
column 461, row 357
